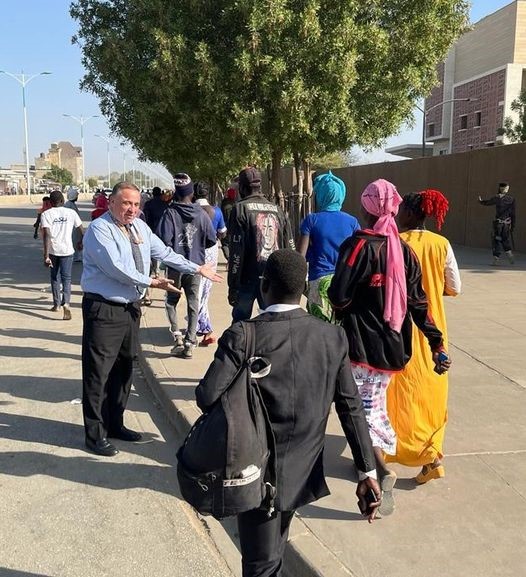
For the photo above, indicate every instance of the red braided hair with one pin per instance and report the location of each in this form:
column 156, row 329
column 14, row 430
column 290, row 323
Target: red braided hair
column 434, row 204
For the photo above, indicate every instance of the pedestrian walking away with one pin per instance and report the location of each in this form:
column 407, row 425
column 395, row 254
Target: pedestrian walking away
column 257, row 228
column 417, row 396
column 322, row 234
column 153, row 211
column 58, row 224
column 227, row 204
column 187, row 229
column 71, row 202
column 377, row 293
column 503, row 224
column 204, row 323
column 118, row 248
column 45, row 206
column 309, row 370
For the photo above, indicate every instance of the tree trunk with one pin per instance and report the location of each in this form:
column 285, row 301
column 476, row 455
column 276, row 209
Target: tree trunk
column 300, row 179
column 276, row 178
column 308, row 204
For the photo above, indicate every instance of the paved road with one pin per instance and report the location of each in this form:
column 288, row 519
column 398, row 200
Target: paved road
column 63, row 511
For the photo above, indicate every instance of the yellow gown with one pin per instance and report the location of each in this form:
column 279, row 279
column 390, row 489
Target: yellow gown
column 417, row 396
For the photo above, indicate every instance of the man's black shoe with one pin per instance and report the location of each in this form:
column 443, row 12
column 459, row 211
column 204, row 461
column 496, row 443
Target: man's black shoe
column 125, row 434
column 101, row 447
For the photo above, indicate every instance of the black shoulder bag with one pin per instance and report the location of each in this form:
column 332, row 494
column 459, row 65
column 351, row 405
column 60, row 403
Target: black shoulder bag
column 227, row 464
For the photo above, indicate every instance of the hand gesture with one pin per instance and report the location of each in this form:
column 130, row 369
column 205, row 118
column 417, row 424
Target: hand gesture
column 207, row 271
column 165, row 284
column 369, row 498
column 47, row 262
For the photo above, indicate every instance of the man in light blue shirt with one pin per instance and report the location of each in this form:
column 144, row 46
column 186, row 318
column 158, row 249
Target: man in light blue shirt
column 118, row 248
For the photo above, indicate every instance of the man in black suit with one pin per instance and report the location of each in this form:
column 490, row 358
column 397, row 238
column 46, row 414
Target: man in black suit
column 310, row 370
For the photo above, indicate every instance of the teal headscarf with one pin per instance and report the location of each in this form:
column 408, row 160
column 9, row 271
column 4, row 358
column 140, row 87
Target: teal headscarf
column 329, row 191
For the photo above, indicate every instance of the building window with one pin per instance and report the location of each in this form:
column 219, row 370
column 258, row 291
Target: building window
column 443, row 151
column 464, row 122
column 478, row 119
column 431, row 130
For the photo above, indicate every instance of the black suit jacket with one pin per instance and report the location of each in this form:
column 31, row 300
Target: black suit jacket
column 310, row 370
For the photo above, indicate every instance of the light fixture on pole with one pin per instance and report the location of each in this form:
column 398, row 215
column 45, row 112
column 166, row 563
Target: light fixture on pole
column 82, row 121
column 426, row 111
column 107, row 141
column 22, row 79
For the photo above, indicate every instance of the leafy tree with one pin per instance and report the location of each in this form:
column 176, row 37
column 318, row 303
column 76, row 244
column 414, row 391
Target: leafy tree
column 516, row 131
column 92, row 182
column 207, row 85
column 61, row 175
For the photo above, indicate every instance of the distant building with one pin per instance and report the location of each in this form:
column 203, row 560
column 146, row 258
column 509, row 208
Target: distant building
column 410, row 150
column 488, row 66
column 64, row 155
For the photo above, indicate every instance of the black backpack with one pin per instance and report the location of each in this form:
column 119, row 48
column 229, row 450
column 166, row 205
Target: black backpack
column 227, row 464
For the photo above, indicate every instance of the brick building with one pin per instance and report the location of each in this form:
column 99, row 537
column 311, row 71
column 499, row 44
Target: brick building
column 488, row 66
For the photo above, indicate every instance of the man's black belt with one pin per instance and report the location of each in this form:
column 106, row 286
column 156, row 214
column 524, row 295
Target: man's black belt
column 101, row 299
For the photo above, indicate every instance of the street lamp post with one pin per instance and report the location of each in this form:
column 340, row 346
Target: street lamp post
column 22, row 79
column 107, row 141
column 82, row 121
column 426, row 111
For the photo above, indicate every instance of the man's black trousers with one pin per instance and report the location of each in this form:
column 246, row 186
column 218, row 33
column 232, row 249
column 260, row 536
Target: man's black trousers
column 109, row 345
column 263, row 542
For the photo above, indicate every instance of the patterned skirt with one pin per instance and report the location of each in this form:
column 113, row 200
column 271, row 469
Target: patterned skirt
column 204, row 324
column 372, row 385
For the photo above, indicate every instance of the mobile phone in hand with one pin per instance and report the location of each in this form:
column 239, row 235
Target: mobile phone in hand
column 370, row 499
column 439, row 369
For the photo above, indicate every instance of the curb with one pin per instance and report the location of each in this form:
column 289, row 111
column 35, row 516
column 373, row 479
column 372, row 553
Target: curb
column 305, row 555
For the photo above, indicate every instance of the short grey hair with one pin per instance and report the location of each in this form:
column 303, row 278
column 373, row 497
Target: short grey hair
column 124, row 185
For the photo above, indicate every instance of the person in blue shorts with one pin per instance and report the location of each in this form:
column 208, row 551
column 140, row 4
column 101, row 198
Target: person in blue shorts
column 322, row 234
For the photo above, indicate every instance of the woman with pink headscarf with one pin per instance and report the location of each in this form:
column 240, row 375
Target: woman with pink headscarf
column 377, row 293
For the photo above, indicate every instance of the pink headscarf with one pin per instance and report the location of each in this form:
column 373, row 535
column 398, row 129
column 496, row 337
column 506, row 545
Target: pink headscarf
column 381, row 199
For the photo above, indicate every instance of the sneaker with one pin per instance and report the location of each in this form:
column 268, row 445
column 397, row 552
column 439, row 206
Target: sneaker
column 67, row 313
column 509, row 254
column 178, row 345
column 188, row 350
column 496, row 261
column 54, row 308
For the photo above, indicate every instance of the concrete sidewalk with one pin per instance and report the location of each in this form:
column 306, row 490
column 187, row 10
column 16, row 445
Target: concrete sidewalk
column 65, row 512
column 469, row 524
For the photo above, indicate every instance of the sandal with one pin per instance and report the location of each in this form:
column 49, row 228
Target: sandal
column 387, row 483
column 430, row 472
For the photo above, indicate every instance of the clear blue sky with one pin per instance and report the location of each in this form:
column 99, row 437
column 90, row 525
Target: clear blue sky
column 35, row 36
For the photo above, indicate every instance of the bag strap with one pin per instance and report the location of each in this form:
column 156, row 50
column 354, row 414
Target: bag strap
column 250, row 339
column 272, row 467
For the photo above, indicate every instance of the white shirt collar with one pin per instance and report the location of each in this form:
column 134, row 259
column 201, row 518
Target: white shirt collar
column 281, row 308
column 202, row 202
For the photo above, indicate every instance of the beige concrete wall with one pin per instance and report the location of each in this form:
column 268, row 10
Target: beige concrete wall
column 520, row 34
column 462, row 178
column 489, row 46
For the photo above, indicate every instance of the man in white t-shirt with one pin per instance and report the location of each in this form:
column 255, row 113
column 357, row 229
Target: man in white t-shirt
column 57, row 225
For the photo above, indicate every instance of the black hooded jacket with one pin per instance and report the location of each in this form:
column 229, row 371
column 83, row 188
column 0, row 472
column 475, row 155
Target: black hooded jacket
column 188, row 230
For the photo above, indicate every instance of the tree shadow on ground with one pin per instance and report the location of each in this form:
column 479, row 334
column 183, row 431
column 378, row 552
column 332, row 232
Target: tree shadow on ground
column 41, row 335
column 67, row 435
column 42, row 389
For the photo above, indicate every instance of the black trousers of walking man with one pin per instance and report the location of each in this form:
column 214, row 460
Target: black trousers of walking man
column 109, row 346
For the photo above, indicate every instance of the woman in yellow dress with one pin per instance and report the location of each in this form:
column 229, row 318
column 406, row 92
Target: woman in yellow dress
column 417, row 396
